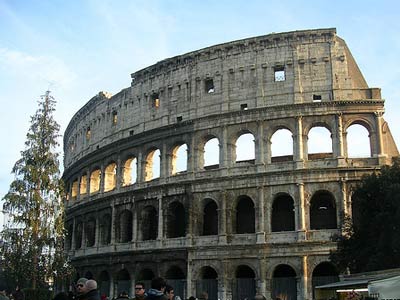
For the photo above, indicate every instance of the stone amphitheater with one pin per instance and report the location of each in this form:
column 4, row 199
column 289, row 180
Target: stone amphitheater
column 203, row 171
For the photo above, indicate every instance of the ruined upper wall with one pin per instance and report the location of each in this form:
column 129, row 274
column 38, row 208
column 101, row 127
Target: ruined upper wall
column 272, row 70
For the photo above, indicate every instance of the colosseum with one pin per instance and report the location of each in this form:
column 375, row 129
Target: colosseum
column 227, row 169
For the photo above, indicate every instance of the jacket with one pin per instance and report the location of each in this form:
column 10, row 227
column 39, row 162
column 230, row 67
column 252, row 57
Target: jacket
column 153, row 294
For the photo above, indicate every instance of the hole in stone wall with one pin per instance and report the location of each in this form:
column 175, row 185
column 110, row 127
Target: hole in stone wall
column 279, row 73
column 209, row 85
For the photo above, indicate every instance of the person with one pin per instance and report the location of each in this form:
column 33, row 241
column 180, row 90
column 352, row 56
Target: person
column 156, row 292
column 3, row 295
column 169, row 291
column 18, row 294
column 204, row 296
column 91, row 292
column 140, row 292
column 123, row 296
column 80, row 287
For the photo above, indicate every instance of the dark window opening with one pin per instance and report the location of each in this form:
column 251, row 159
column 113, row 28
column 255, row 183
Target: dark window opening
column 210, row 222
column 125, row 228
column 282, row 214
column 150, row 223
column 90, row 232
column 179, row 119
column 88, row 133
column 243, row 106
column 279, row 74
column 245, row 216
column 244, row 285
column 105, row 230
column 323, row 274
column 78, row 236
column 323, row 211
column 317, row 98
column 209, row 86
column 155, row 100
column 176, row 220
column 114, row 118
column 131, row 132
column 284, row 283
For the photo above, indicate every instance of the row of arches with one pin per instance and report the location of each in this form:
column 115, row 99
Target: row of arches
column 135, row 168
column 322, row 214
column 284, row 282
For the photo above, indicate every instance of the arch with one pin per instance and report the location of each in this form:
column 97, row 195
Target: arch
column 245, row 285
column 358, row 141
column 75, row 189
column 174, row 272
column 104, row 283
column 110, row 177
column 149, row 223
column 245, row 147
column 324, row 273
column 145, row 276
column 284, row 284
column 176, row 220
column 179, row 159
column 282, row 218
column 105, row 229
column 282, row 145
column 123, row 282
column 210, row 218
column 125, row 226
column 83, row 185
column 153, row 165
column 319, row 143
column 78, row 235
column 323, row 211
column 130, row 171
column 175, row 277
column 211, row 153
column 94, row 181
column 245, row 215
column 208, row 282
column 90, row 232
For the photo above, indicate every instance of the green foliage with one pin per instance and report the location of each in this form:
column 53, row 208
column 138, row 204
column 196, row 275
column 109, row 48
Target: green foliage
column 33, row 237
column 372, row 241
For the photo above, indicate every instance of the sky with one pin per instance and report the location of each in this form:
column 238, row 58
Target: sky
column 78, row 48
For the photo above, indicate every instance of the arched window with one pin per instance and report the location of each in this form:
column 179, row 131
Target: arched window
column 110, row 177
column 282, row 146
column 90, row 232
column 282, row 214
column 324, row 273
column 245, row 148
column 211, row 154
column 208, row 282
column 245, row 215
column 74, row 189
column 104, row 283
column 152, row 170
column 319, row 143
column 175, row 277
column 358, row 142
column 323, row 211
column 176, row 220
column 125, row 226
column 149, row 223
column 145, row 276
column 179, row 159
column 123, row 282
column 78, row 235
column 105, row 229
column 210, row 218
column 284, row 283
column 95, row 177
column 245, row 285
column 130, row 171
column 83, row 185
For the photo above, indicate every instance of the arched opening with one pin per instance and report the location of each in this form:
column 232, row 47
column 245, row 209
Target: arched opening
column 152, row 168
column 282, row 145
column 319, row 143
column 211, row 154
column 104, row 283
column 323, row 211
column 179, row 159
column 284, row 283
column 110, row 177
column 95, row 178
column 149, row 223
column 125, row 226
column 208, row 282
column 176, row 220
column 105, row 230
column 282, row 218
column 123, row 282
column 90, row 232
column 210, row 218
column 175, row 277
column 145, row 276
column 358, row 141
column 324, row 273
column 245, row 285
column 130, row 171
column 83, row 185
column 78, row 235
column 245, row 215
column 245, row 148
column 74, row 189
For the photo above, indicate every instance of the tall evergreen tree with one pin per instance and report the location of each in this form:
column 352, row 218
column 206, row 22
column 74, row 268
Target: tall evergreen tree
column 371, row 240
column 34, row 232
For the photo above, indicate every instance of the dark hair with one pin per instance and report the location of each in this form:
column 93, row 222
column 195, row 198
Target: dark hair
column 168, row 289
column 158, row 283
column 140, row 283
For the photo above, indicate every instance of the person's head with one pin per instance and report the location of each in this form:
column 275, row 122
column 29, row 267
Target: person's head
column 139, row 289
column 204, row 295
column 169, row 291
column 158, row 283
column 91, row 285
column 81, row 286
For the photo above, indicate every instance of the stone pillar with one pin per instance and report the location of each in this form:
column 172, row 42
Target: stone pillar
column 102, row 177
column 83, row 239
column 222, row 218
column 262, row 288
column 140, row 166
column 119, row 174
column 189, row 284
column 302, row 213
column 97, row 233
column 191, row 155
column 259, row 145
column 224, row 149
column 261, row 217
column 379, row 141
column 160, row 219
column 225, row 284
column 164, row 161
column 111, row 287
column 113, row 220
column 304, row 280
column 299, row 143
column 134, row 225
column 339, row 134
column 73, row 244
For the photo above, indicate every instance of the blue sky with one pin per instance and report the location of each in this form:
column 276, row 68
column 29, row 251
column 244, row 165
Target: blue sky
column 78, row 48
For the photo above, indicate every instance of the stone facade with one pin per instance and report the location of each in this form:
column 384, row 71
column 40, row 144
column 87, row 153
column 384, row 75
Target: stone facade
column 220, row 223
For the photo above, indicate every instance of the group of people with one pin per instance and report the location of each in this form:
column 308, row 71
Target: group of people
column 16, row 295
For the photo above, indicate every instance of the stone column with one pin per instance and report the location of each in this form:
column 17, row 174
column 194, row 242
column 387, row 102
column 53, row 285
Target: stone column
column 83, row 239
column 140, row 167
column 380, row 149
column 160, row 219
column 225, row 158
column 191, row 155
column 73, row 244
column 111, row 288
column 262, row 289
column 302, row 213
column 339, row 134
column 164, row 162
column 299, row 143
column 134, row 225
column 97, row 233
column 304, row 280
column 222, row 218
column 261, row 217
column 113, row 220
column 102, row 177
column 259, row 155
